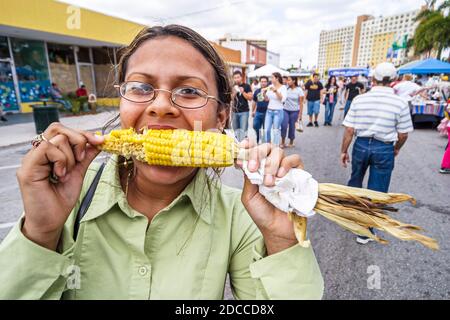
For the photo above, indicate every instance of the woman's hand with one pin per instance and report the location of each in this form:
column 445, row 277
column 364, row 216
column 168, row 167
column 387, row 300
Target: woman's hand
column 274, row 224
column 67, row 154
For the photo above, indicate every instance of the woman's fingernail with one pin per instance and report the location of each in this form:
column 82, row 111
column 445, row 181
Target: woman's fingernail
column 252, row 165
column 82, row 155
column 281, row 172
column 64, row 170
column 98, row 138
column 269, row 179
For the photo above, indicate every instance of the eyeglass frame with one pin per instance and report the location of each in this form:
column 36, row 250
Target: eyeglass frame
column 118, row 86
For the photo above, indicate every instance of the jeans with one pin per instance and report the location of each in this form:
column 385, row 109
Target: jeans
column 66, row 104
column 240, row 124
column 329, row 111
column 289, row 119
column 379, row 156
column 258, row 122
column 313, row 107
column 347, row 107
column 273, row 118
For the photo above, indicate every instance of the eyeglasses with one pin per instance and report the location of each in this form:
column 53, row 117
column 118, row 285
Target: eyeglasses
column 183, row 97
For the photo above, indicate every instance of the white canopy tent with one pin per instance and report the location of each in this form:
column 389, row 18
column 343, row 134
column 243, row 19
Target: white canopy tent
column 267, row 70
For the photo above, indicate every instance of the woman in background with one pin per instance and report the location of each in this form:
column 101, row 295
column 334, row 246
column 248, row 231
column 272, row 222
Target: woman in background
column 276, row 95
column 293, row 108
column 330, row 99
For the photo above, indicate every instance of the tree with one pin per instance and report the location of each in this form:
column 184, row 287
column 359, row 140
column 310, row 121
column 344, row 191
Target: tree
column 433, row 29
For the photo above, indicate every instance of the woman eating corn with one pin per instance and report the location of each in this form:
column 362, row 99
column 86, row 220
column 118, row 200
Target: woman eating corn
column 151, row 231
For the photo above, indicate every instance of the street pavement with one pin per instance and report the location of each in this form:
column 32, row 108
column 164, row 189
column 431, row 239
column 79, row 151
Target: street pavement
column 406, row 270
column 20, row 128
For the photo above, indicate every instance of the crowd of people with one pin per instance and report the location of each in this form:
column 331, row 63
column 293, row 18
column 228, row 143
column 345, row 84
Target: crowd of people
column 377, row 113
column 276, row 104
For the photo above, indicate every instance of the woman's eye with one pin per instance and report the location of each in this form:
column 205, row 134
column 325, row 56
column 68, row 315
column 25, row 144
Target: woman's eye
column 141, row 90
column 189, row 92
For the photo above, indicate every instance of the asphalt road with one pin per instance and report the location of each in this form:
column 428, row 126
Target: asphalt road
column 406, row 270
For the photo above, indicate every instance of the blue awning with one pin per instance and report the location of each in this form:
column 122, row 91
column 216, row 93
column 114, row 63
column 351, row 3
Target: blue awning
column 425, row 67
column 348, row 72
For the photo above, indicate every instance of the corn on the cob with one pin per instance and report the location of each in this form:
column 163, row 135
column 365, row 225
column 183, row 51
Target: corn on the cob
column 173, row 147
column 354, row 209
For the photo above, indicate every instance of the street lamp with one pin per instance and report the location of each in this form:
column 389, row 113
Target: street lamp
column 300, row 64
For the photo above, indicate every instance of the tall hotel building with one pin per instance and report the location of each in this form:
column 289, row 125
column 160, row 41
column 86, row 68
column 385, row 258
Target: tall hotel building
column 367, row 43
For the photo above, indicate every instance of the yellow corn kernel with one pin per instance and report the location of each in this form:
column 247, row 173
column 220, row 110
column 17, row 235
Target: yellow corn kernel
column 176, row 147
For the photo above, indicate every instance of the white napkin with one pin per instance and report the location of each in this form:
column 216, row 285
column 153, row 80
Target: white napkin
column 297, row 191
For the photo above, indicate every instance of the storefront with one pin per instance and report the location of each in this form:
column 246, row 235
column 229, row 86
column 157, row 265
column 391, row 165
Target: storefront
column 36, row 52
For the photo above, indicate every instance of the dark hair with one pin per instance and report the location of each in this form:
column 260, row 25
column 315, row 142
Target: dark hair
column 235, row 72
column 264, row 77
column 285, row 77
column 194, row 39
column 294, row 79
column 278, row 76
column 329, row 81
column 315, row 74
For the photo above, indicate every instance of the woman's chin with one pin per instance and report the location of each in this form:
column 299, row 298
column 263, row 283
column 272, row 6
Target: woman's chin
column 166, row 174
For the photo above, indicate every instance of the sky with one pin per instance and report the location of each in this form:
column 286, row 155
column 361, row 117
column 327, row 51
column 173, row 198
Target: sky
column 291, row 27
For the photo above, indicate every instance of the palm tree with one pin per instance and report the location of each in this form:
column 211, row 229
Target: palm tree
column 433, row 29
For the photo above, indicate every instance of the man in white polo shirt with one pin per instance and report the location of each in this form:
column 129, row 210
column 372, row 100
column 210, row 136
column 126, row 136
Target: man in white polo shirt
column 381, row 121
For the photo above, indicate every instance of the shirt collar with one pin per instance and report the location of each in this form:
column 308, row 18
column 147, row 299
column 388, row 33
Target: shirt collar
column 382, row 89
column 201, row 192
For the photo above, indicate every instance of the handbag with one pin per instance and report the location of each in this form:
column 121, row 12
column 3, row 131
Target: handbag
column 299, row 125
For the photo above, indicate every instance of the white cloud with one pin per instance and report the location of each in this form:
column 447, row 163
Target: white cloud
column 292, row 27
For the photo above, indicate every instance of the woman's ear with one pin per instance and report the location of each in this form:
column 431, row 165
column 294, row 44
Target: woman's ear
column 222, row 117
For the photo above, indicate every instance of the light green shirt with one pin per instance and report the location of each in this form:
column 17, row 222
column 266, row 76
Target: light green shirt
column 184, row 253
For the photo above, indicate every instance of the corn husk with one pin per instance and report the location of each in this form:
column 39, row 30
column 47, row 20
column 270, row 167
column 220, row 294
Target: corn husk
column 357, row 210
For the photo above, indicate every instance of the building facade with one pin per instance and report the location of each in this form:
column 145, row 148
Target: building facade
column 370, row 41
column 335, row 48
column 44, row 41
column 254, row 53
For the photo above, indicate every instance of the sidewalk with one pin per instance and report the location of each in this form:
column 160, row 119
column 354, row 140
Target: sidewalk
column 19, row 133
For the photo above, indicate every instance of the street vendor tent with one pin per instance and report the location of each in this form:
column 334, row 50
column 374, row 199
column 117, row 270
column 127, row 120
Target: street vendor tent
column 425, row 67
column 267, row 70
column 347, row 72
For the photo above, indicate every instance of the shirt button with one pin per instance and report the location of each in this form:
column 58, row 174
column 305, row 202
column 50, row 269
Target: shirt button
column 143, row 270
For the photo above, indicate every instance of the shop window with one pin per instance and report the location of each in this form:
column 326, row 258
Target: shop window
column 8, row 98
column 83, row 55
column 4, row 48
column 62, row 67
column 31, row 68
column 104, row 71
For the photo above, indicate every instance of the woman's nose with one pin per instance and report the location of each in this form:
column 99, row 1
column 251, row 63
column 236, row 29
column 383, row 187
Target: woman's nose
column 162, row 106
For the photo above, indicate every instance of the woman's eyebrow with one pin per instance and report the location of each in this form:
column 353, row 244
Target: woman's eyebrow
column 177, row 78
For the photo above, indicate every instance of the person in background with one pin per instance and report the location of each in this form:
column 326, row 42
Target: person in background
column 293, row 108
column 353, row 89
column 396, row 81
column 255, row 85
column 285, row 80
column 276, row 95
column 331, row 97
column 56, row 95
column 381, row 121
column 242, row 93
column 2, row 114
column 445, row 164
column 81, row 91
column 314, row 94
column 407, row 89
column 259, row 107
